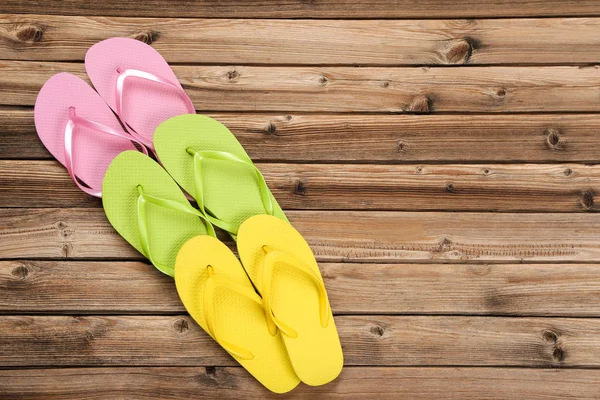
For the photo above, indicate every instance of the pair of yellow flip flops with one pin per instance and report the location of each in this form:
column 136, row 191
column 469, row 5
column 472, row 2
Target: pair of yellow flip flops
column 282, row 335
column 270, row 312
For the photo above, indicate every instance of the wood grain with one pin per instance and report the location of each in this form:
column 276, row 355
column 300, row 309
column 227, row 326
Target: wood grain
column 358, row 236
column 74, row 287
column 375, row 138
column 367, row 341
column 348, row 89
column 312, row 42
column 309, row 9
column 234, row 383
column 491, row 187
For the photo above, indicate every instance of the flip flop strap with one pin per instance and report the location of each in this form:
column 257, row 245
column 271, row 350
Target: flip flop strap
column 199, row 156
column 265, row 273
column 134, row 73
column 72, row 123
column 213, row 283
column 142, row 218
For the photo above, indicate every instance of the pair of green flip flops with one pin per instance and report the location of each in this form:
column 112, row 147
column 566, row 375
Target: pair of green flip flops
column 145, row 205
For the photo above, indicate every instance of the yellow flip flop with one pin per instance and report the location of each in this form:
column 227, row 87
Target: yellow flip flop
column 284, row 271
column 216, row 292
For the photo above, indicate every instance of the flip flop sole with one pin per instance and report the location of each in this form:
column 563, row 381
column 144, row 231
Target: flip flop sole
column 146, row 104
column 168, row 229
column 315, row 353
column 237, row 319
column 231, row 191
column 92, row 151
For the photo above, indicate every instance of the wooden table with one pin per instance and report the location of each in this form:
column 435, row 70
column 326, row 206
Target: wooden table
column 439, row 157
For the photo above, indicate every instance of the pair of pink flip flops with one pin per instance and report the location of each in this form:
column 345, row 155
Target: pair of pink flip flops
column 76, row 124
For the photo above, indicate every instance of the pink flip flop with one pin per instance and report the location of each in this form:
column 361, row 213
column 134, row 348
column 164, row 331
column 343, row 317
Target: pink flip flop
column 79, row 130
column 138, row 84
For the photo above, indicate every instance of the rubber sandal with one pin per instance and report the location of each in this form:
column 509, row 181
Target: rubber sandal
column 137, row 83
column 147, row 208
column 284, row 271
column 209, row 163
column 79, row 130
column 217, row 293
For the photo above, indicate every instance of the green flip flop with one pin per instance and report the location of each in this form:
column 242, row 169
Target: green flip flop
column 147, row 208
column 209, row 163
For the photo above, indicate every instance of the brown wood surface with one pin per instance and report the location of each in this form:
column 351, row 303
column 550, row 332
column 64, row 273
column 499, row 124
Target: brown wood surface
column 309, row 9
column 440, row 157
column 365, row 42
column 76, row 287
column 375, row 138
column 349, row 89
column 458, row 383
column 489, row 187
column 336, row 236
column 373, row 340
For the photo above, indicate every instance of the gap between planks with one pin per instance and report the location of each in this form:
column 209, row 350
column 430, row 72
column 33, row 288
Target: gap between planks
column 354, row 9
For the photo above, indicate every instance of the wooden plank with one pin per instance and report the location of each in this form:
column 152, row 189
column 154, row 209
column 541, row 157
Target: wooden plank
column 336, row 236
column 310, row 9
column 73, row 287
column 494, row 187
column 33, row 341
column 376, row 138
column 348, row 89
column 311, row 42
column 235, row 383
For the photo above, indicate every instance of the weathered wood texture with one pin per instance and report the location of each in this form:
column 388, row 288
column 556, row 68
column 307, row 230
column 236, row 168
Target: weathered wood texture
column 367, row 341
column 493, row 187
column 365, row 42
column 336, row 236
column 176, row 383
column 348, row 89
column 74, row 287
column 375, row 138
column 309, row 9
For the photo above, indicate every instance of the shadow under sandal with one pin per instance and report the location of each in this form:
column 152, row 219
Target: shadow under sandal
column 145, row 205
column 283, row 268
column 219, row 296
column 209, row 163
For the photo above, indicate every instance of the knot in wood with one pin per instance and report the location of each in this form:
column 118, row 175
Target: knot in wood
column 377, row 331
column 270, row 128
column 29, row 33
column 300, row 188
column 549, row 336
column 20, row 272
column 587, row 200
column 181, row 325
column 147, row 37
column 553, row 140
column 233, row 75
column 420, row 104
column 457, row 51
